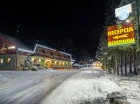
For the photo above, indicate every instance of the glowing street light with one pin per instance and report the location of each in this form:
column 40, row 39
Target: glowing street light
column 128, row 21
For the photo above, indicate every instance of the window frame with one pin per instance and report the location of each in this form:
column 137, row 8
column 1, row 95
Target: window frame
column 7, row 60
column 5, row 45
column 1, row 62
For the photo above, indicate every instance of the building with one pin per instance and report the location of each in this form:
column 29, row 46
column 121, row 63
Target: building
column 13, row 54
column 97, row 64
column 51, row 58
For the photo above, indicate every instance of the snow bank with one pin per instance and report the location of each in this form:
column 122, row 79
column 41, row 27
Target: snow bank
column 92, row 87
column 130, row 86
column 107, row 86
column 80, row 88
column 134, row 101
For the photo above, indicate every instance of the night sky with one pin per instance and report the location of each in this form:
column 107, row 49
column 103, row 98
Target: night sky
column 53, row 22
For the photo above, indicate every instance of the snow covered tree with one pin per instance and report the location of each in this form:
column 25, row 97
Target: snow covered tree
column 84, row 55
column 118, row 55
column 101, row 53
column 27, row 63
column 104, row 53
column 132, row 50
column 67, row 45
column 110, row 12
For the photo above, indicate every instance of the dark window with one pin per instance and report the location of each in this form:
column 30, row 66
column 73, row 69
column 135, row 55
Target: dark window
column 0, row 43
column 39, row 50
column 5, row 45
column 44, row 51
column 51, row 53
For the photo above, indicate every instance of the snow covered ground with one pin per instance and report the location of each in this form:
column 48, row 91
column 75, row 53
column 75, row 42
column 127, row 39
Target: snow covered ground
column 130, row 86
column 92, row 87
column 29, row 87
column 82, row 86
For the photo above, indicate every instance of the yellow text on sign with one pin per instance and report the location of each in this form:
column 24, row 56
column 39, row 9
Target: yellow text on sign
column 120, row 42
column 120, row 31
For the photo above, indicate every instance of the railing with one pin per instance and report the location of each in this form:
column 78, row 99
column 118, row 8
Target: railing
column 51, row 56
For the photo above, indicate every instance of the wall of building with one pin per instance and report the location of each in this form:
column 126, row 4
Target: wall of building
column 51, row 63
column 17, row 62
column 8, row 66
column 20, row 61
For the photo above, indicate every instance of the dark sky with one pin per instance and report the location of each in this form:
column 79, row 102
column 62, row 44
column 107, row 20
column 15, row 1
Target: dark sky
column 53, row 21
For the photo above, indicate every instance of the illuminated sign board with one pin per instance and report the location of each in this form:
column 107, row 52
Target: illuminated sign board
column 123, row 12
column 121, row 34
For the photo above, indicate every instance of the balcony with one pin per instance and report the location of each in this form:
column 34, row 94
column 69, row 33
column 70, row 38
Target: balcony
column 51, row 56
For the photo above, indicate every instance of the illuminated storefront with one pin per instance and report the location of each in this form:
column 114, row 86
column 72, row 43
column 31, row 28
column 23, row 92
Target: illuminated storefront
column 51, row 58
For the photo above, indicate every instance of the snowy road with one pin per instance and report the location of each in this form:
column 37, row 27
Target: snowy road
column 29, row 87
column 64, row 87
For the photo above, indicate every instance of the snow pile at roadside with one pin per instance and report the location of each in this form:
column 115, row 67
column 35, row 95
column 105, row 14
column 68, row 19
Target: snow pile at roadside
column 130, row 86
column 83, row 87
column 107, row 86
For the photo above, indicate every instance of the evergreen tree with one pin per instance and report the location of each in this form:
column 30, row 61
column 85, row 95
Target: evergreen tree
column 104, row 53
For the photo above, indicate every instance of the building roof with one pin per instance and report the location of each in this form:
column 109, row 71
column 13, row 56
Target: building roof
column 22, row 47
column 38, row 45
column 16, row 42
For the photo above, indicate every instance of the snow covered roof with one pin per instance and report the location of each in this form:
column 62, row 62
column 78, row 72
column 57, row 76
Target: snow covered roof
column 49, row 49
column 16, row 42
column 38, row 45
column 22, row 47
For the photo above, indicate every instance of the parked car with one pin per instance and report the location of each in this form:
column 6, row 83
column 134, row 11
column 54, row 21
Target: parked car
column 75, row 67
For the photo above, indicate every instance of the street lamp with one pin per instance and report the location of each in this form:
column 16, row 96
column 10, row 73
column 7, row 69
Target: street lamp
column 128, row 21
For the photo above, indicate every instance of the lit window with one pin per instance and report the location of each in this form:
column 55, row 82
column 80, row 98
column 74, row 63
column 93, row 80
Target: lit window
column 39, row 60
column 8, row 60
column 1, row 61
column 11, row 47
